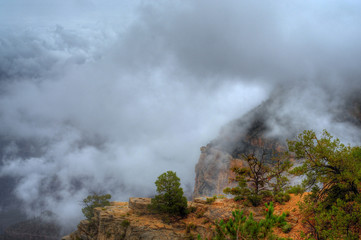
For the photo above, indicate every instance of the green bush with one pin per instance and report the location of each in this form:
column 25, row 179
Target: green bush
column 254, row 199
column 200, row 214
column 240, row 226
column 286, row 228
column 170, row 199
column 297, row 189
column 282, row 197
column 211, row 200
column 125, row 223
column 190, row 227
column 94, row 201
column 266, row 194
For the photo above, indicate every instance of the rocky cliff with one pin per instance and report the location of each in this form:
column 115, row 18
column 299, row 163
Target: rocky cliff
column 132, row 220
column 242, row 136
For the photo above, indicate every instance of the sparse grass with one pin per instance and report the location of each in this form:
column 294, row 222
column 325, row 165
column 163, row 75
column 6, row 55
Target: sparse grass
column 206, row 221
column 190, row 227
column 200, row 214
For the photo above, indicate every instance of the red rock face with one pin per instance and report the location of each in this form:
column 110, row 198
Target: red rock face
column 213, row 172
column 213, row 168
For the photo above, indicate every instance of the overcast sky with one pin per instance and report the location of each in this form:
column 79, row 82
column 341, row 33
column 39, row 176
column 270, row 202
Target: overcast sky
column 118, row 92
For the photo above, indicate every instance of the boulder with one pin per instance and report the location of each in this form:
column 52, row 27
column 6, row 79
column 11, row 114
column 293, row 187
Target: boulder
column 139, row 204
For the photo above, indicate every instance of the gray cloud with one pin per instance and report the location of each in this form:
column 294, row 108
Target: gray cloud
column 112, row 100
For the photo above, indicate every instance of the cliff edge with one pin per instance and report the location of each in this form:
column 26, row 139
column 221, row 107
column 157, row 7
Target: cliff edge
column 132, row 221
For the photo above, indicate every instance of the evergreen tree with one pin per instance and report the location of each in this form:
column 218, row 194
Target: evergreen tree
column 333, row 174
column 278, row 176
column 252, row 179
column 170, row 197
column 93, row 201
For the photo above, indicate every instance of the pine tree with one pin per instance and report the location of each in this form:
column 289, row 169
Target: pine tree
column 93, row 201
column 170, row 197
column 252, row 179
column 278, row 176
column 332, row 172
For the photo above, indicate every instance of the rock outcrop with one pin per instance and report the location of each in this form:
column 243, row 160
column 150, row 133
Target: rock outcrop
column 243, row 136
column 132, row 221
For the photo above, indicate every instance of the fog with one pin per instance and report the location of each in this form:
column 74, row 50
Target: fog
column 108, row 95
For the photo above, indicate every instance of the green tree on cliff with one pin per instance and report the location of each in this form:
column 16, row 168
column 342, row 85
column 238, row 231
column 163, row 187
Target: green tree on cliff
column 94, row 201
column 280, row 167
column 252, row 178
column 332, row 172
column 170, row 197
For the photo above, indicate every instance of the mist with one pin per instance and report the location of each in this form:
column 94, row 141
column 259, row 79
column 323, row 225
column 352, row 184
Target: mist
column 109, row 95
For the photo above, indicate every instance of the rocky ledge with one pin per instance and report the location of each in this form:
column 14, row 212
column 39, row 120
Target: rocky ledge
column 132, row 221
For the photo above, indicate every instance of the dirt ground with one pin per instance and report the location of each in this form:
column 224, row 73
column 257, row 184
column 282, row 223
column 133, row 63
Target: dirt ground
column 294, row 218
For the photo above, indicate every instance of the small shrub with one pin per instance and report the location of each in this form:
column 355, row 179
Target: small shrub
column 220, row 196
column 125, row 223
column 282, row 197
column 297, row 189
column 267, row 194
column 238, row 198
column 211, row 200
column 243, row 227
column 287, row 197
column 286, row 228
column 287, row 213
column 200, row 214
column 190, row 227
column 254, row 199
column 166, row 219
